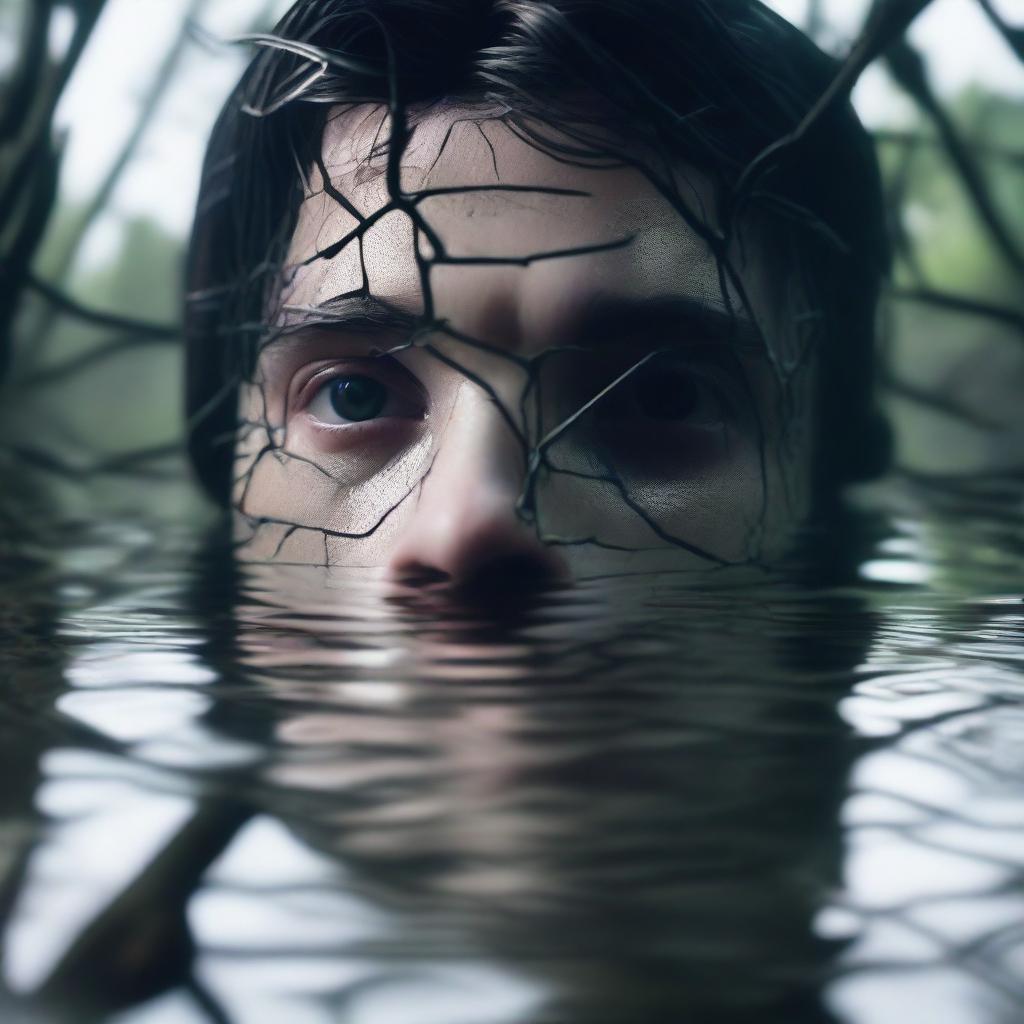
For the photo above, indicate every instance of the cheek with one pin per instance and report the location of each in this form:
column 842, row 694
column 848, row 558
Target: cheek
column 350, row 492
column 298, row 493
column 712, row 510
column 733, row 494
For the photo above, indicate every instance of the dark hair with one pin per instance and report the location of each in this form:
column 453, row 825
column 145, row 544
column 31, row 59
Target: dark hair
column 709, row 82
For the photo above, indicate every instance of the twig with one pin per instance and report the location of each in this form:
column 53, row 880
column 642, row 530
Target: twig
column 94, row 316
column 887, row 20
column 962, row 304
column 100, row 199
column 1013, row 36
column 1015, row 158
column 908, row 69
column 939, row 403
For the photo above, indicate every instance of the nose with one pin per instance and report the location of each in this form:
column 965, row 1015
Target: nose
column 464, row 530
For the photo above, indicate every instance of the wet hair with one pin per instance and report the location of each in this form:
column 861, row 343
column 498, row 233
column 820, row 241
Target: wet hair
column 710, row 84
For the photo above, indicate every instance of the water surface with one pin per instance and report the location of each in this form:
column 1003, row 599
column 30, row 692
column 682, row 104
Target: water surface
column 292, row 795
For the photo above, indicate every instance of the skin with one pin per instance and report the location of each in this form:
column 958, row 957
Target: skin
column 691, row 463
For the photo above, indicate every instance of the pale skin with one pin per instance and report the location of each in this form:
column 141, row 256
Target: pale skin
column 433, row 481
column 419, row 469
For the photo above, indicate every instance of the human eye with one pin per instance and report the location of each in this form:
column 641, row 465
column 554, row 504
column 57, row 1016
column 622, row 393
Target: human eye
column 360, row 395
column 673, row 415
column 666, row 394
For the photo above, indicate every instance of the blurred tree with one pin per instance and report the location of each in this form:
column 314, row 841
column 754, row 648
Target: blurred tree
column 29, row 153
column 954, row 182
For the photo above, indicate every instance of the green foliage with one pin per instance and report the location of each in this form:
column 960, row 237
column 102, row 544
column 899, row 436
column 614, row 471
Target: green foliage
column 957, row 377
column 950, row 244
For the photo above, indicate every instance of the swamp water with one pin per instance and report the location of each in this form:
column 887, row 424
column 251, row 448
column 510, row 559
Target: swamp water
column 283, row 795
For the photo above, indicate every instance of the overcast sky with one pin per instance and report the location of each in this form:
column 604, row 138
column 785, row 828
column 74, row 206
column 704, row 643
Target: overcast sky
column 102, row 101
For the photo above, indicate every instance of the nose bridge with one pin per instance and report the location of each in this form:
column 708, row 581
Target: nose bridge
column 482, row 440
column 477, row 474
column 464, row 525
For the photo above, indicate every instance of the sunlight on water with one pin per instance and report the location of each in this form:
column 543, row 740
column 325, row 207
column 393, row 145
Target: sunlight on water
column 291, row 795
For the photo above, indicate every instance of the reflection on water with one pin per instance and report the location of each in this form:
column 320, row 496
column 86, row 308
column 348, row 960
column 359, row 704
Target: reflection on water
column 296, row 796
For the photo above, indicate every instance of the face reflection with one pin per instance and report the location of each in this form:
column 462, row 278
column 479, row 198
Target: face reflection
column 589, row 412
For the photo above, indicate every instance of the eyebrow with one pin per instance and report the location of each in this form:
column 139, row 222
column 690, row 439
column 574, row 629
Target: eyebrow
column 349, row 314
column 674, row 319
column 596, row 321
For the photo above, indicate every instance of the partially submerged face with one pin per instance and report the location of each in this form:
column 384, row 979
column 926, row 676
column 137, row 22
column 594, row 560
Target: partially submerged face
column 540, row 367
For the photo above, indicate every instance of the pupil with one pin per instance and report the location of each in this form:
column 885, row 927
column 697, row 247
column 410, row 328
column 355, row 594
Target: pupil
column 358, row 398
column 667, row 395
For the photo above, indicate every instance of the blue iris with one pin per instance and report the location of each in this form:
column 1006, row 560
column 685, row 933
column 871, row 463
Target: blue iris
column 358, row 398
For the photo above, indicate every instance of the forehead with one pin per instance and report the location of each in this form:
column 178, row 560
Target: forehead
column 521, row 205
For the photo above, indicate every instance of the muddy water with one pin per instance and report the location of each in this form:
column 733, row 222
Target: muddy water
column 293, row 796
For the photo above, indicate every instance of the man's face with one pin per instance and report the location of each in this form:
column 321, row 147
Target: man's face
column 535, row 367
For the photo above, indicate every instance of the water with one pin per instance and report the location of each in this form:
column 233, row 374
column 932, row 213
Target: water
column 288, row 795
